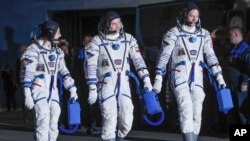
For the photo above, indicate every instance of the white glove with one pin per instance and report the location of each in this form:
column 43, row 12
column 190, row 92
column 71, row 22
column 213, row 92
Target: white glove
column 92, row 94
column 221, row 81
column 157, row 84
column 147, row 83
column 28, row 100
column 73, row 94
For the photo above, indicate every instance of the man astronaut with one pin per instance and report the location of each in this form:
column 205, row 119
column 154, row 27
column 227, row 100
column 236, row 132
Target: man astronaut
column 41, row 62
column 108, row 58
column 184, row 47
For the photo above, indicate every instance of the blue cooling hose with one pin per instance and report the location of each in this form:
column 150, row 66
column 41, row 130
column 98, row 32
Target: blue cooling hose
column 138, row 91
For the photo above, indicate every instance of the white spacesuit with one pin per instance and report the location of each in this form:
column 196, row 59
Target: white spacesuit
column 184, row 48
column 41, row 62
column 108, row 58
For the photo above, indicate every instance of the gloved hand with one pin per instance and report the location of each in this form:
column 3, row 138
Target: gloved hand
column 92, row 94
column 220, row 81
column 73, row 94
column 157, row 84
column 147, row 84
column 28, row 100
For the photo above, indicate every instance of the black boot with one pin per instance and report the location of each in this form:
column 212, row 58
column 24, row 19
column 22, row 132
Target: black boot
column 119, row 139
column 109, row 140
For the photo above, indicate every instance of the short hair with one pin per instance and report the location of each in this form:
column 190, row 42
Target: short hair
column 236, row 29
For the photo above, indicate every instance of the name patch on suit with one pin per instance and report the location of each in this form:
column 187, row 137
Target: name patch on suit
column 193, row 52
column 118, row 61
column 51, row 64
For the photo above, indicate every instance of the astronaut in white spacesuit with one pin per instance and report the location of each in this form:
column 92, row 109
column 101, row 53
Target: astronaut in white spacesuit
column 183, row 49
column 108, row 57
column 41, row 62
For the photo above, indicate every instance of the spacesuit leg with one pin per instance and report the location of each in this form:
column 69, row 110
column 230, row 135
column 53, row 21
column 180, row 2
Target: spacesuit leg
column 196, row 137
column 185, row 107
column 109, row 140
column 42, row 120
column 126, row 108
column 188, row 136
column 108, row 106
column 198, row 98
column 119, row 139
column 55, row 112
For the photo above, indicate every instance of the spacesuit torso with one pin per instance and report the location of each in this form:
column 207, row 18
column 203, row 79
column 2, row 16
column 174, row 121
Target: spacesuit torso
column 40, row 69
column 185, row 52
column 113, row 61
column 106, row 64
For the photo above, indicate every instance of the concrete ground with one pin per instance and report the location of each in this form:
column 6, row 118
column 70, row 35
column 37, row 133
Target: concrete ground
column 14, row 128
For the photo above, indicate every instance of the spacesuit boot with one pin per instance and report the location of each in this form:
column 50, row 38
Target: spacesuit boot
column 196, row 137
column 109, row 140
column 188, row 136
column 119, row 139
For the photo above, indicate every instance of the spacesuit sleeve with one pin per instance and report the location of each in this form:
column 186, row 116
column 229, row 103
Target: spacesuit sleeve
column 29, row 61
column 68, row 81
column 210, row 56
column 90, row 63
column 137, row 58
column 168, row 43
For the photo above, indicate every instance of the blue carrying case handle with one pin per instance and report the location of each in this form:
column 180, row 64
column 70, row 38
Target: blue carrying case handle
column 74, row 117
column 149, row 100
column 223, row 94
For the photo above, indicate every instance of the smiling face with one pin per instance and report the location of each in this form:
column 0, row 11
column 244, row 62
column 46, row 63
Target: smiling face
column 57, row 35
column 192, row 17
column 115, row 26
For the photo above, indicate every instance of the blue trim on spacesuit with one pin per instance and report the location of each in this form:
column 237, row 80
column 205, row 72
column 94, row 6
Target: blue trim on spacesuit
column 43, row 52
column 179, row 63
column 182, row 35
column 103, row 44
column 202, row 36
column 91, row 81
column 41, row 76
column 124, row 41
column 27, row 83
column 160, row 71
